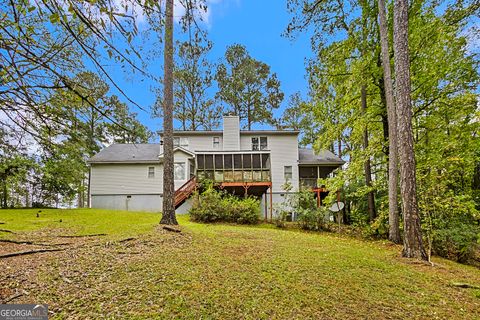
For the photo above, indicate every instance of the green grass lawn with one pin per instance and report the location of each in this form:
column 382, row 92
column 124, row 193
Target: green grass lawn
column 115, row 224
column 229, row 272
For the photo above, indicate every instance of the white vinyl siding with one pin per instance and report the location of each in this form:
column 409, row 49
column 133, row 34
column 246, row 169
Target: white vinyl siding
column 204, row 142
column 125, row 179
column 283, row 152
column 133, row 179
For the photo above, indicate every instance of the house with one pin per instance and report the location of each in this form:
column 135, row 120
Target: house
column 255, row 162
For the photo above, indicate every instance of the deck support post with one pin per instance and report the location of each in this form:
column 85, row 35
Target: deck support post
column 265, row 203
column 271, row 203
column 319, row 203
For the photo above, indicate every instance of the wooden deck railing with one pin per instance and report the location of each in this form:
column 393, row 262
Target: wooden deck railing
column 182, row 193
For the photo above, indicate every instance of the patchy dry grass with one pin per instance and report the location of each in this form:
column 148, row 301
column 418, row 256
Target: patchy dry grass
column 227, row 272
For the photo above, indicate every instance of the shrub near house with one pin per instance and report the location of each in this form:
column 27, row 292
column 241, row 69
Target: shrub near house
column 217, row 206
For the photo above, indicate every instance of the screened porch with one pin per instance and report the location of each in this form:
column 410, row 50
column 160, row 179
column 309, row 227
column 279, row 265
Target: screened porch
column 309, row 175
column 234, row 167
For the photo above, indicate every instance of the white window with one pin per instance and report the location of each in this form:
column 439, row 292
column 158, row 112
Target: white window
column 192, row 170
column 259, row 143
column 151, row 172
column 180, row 142
column 287, row 172
column 216, row 142
column 263, row 143
column 179, row 171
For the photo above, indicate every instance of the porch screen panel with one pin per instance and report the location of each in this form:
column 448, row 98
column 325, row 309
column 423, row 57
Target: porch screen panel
column 265, row 161
column 209, row 173
column 219, row 167
column 201, row 161
column 228, row 161
column 218, row 161
column 228, row 166
column 247, row 161
column 257, row 167
column 209, row 161
column 201, row 166
column 237, row 165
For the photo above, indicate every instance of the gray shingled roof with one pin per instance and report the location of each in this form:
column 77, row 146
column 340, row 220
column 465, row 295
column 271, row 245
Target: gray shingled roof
column 124, row 153
column 146, row 153
column 307, row 156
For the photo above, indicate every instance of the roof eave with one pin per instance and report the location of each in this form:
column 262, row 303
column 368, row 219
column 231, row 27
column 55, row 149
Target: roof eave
column 122, row 161
column 186, row 151
column 324, row 163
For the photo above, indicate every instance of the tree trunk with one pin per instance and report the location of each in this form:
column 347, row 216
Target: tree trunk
column 27, row 196
column 5, row 194
column 393, row 214
column 367, row 164
column 168, row 215
column 412, row 243
column 80, row 195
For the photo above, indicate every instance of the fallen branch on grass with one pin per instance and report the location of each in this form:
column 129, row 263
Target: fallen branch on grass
column 465, row 285
column 84, row 236
column 171, row 229
column 2, row 222
column 125, row 240
column 23, row 253
column 5, row 230
column 12, row 298
column 32, row 243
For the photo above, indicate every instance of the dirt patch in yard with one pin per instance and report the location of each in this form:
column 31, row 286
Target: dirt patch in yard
column 23, row 277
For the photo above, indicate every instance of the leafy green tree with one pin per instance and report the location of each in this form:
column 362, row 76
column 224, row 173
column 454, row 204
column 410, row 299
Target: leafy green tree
column 393, row 213
column 298, row 116
column 62, row 175
column 193, row 75
column 126, row 128
column 195, row 106
column 94, row 119
column 444, row 77
column 248, row 87
column 413, row 243
column 13, row 175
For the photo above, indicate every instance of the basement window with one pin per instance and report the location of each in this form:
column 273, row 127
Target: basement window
column 151, row 172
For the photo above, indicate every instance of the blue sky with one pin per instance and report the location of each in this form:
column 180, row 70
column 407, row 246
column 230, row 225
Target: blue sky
column 256, row 24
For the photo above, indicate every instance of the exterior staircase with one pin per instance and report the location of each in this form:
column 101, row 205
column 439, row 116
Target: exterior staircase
column 185, row 191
